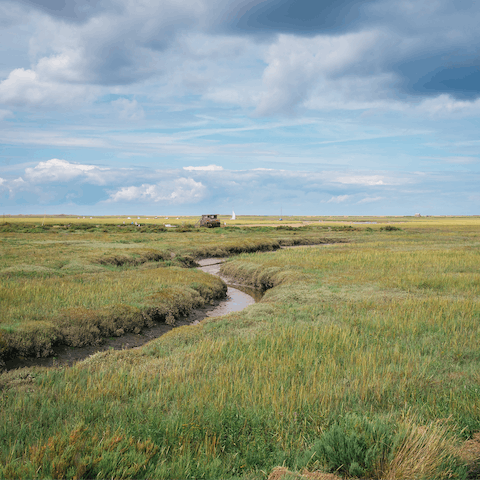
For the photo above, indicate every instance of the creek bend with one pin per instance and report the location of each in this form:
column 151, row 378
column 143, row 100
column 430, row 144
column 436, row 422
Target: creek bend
column 238, row 297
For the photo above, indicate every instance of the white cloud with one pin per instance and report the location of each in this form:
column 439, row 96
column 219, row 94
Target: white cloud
column 56, row 170
column 339, row 199
column 25, row 87
column 128, row 109
column 181, row 190
column 65, row 67
column 369, row 200
column 354, row 92
column 238, row 95
column 13, row 185
column 297, row 65
column 191, row 47
column 445, row 106
column 121, row 44
column 367, row 180
column 59, row 182
column 207, row 168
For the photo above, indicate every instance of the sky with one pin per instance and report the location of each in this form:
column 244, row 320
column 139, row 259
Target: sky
column 314, row 107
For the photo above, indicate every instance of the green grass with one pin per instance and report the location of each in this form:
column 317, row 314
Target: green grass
column 368, row 349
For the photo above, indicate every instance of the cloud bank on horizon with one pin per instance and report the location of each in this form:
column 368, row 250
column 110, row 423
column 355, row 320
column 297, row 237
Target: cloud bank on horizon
column 331, row 107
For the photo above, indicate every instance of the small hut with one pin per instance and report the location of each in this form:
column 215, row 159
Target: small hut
column 209, row 221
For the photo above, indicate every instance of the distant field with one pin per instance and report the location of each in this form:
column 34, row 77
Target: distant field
column 240, row 219
column 361, row 360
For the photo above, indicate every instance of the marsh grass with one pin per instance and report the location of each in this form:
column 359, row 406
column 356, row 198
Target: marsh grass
column 67, row 283
column 83, row 309
column 354, row 347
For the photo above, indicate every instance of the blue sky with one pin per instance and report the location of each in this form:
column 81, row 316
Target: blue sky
column 192, row 106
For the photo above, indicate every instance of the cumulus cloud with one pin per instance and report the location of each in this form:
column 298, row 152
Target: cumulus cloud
column 297, row 65
column 206, row 168
column 129, row 44
column 392, row 59
column 351, row 54
column 60, row 182
column 13, row 186
column 55, row 170
column 25, row 87
column 181, row 190
column 117, row 45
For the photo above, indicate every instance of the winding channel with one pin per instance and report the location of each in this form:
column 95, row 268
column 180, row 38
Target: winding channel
column 238, row 297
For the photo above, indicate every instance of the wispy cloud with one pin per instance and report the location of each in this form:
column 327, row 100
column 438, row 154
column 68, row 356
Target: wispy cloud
column 461, row 160
column 370, row 200
column 207, row 168
column 368, row 180
column 339, row 199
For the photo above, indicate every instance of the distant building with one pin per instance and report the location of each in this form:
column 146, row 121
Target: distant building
column 417, row 215
column 209, row 221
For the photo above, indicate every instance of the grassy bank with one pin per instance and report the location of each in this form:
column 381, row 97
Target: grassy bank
column 75, row 285
column 362, row 360
column 83, row 309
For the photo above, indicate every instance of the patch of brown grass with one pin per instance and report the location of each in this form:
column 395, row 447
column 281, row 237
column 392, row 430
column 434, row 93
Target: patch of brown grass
column 469, row 452
column 19, row 380
column 421, row 453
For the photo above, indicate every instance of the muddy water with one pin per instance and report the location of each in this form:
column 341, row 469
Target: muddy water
column 238, row 298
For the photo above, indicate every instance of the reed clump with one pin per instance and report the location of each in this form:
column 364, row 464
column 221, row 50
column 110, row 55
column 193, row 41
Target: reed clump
column 423, row 452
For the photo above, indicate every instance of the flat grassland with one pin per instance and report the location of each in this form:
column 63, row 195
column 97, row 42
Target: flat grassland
column 361, row 360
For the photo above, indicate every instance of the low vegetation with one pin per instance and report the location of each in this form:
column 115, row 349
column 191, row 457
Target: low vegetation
column 361, row 361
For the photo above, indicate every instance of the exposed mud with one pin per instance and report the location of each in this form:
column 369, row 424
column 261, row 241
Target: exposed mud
column 238, row 298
